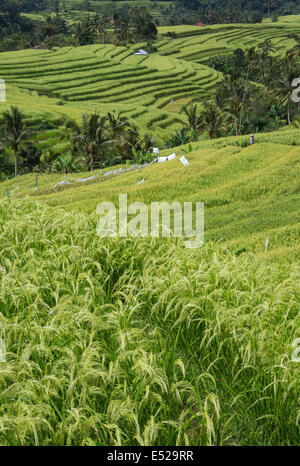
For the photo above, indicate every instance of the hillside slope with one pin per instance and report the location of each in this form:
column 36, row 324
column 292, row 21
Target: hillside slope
column 71, row 81
column 151, row 90
column 141, row 341
column 250, row 193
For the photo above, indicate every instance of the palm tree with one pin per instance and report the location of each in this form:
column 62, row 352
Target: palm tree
column 251, row 55
column 230, row 97
column 269, row 4
column 15, row 131
column 65, row 164
column 214, row 120
column 121, row 134
column 284, row 85
column 266, row 47
column 293, row 53
column 194, row 119
column 148, row 141
column 116, row 125
column 88, row 139
column 100, row 24
column 93, row 134
column 85, row 31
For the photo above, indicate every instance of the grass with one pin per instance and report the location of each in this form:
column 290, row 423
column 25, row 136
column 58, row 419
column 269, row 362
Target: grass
column 243, row 187
column 289, row 19
column 199, row 43
column 140, row 342
column 70, row 81
column 152, row 91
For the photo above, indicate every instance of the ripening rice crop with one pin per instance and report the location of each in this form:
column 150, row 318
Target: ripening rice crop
column 140, row 341
column 251, row 192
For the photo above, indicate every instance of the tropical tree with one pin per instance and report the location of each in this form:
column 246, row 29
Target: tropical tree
column 122, row 135
column 88, row 139
column 121, row 20
column 294, row 53
column 143, row 24
column 102, row 24
column 15, row 131
column 269, row 4
column 148, row 142
column 65, row 164
column 266, row 48
column 85, row 31
column 284, row 85
column 98, row 25
column 213, row 119
column 251, row 55
column 180, row 137
column 194, row 119
column 107, row 139
column 230, row 97
column 263, row 59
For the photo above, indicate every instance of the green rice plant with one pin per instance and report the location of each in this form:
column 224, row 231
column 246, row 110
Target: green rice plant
column 139, row 341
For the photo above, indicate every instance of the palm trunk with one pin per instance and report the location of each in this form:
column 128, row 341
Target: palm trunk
column 289, row 116
column 237, row 132
column 16, row 162
column 92, row 162
column 244, row 96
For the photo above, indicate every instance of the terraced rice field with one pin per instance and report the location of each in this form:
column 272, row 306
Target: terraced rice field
column 289, row 19
column 151, row 90
column 70, row 81
column 139, row 341
column 197, row 44
column 73, row 12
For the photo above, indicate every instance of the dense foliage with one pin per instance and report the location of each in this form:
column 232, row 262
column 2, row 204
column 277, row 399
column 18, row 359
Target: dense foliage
column 117, row 21
column 123, row 25
column 232, row 11
column 254, row 95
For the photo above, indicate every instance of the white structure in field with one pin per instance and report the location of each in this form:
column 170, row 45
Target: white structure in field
column 155, row 150
column 165, row 159
column 172, row 156
column 184, row 161
column 141, row 52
